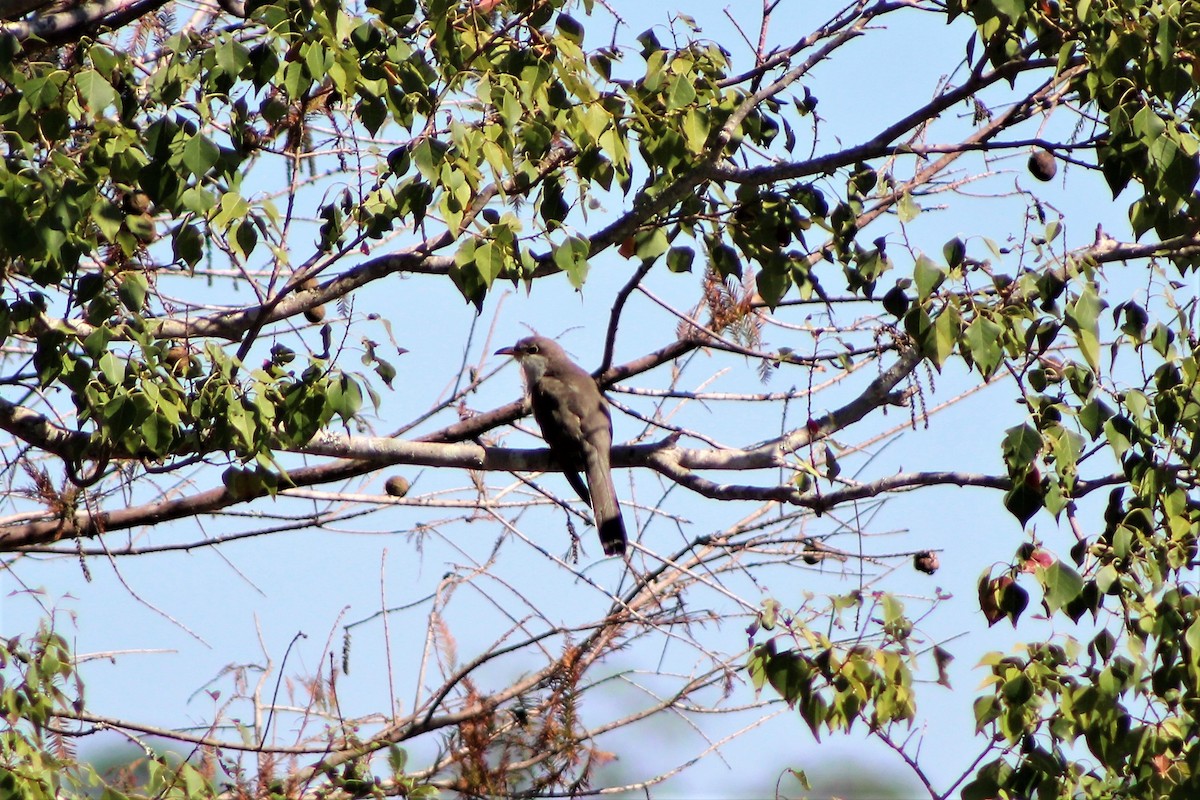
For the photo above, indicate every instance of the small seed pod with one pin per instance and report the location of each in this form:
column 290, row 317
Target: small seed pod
column 397, row 486
column 316, row 313
column 926, row 561
column 1042, row 165
column 135, row 202
column 178, row 359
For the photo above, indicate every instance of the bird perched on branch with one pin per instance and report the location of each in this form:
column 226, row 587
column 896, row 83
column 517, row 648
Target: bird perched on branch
column 576, row 425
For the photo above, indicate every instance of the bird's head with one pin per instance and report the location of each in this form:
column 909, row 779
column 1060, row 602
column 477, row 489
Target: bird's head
column 534, row 354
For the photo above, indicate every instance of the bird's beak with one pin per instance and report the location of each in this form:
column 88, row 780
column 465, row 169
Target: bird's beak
column 506, row 351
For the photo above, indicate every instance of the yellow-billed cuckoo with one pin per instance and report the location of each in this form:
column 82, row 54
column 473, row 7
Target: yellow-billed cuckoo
column 575, row 422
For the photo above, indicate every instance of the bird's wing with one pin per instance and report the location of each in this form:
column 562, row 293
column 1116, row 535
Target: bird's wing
column 576, row 424
column 557, row 411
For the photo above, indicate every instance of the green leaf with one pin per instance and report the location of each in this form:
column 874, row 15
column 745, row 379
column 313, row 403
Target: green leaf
column 386, row 371
column 682, row 92
column 242, row 424
column 772, row 285
column 679, row 259
column 1082, row 317
column 97, row 341
column 149, row 430
column 983, row 341
column 789, row 674
column 489, row 260
column 132, row 291
column 344, row 397
column 245, row 237
column 570, row 28
column 465, row 273
column 595, row 120
column 44, row 91
column 571, row 258
column 318, row 60
column 1023, row 501
column 946, row 330
column 1148, row 126
column 1017, row 691
column 695, row 129
column 103, row 59
column 757, row 666
column 108, row 218
column 112, row 368
column 651, row 244
column 907, row 209
column 1061, row 584
column 200, row 154
column 1012, row 9
column 187, row 244
column 96, row 93
column 954, row 252
column 1013, row 601
column 232, row 57
column 1192, row 637
column 942, row 659
column 1021, row 446
column 553, row 207
column 928, row 276
column 397, row 759
column 725, row 261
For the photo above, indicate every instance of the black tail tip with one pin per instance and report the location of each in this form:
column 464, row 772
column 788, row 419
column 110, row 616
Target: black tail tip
column 612, row 536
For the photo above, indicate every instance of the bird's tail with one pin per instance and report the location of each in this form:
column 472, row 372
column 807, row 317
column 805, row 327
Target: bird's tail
column 604, row 500
column 612, row 534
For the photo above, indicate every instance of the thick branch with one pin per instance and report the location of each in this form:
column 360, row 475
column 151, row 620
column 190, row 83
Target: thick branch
column 12, row 9
column 40, row 432
column 67, row 26
column 883, row 144
column 878, row 393
column 447, row 449
column 37, row 430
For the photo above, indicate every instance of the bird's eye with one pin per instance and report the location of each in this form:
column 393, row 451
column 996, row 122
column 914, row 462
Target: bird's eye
column 533, row 348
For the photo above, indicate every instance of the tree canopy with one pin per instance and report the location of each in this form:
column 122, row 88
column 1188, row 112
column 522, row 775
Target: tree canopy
column 228, row 233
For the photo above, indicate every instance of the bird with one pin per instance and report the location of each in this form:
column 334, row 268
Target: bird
column 576, row 425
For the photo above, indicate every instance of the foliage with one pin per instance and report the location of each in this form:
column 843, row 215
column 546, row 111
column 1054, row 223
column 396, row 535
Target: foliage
column 303, row 151
column 37, row 752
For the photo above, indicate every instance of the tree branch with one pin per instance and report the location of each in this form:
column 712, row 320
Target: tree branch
column 69, row 25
